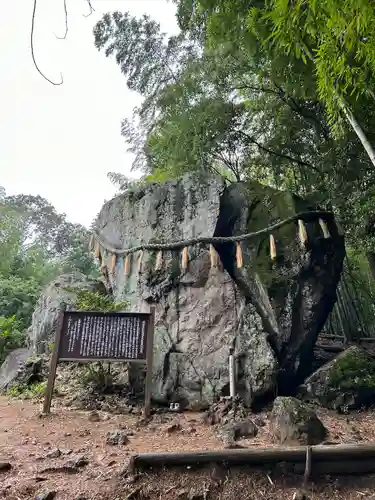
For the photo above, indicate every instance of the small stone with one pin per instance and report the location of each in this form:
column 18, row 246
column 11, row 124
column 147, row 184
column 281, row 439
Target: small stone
column 46, row 495
column 259, row 421
column 94, row 416
column 67, row 434
column 84, row 433
column 300, row 495
column 77, row 461
column 173, row 428
column 117, row 437
column 292, row 422
column 5, row 466
column 66, row 452
column 245, row 429
column 54, row 453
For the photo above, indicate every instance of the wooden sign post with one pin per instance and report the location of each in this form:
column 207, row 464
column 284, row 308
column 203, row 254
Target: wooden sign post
column 85, row 336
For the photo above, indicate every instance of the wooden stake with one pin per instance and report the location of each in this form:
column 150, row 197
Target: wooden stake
column 302, row 233
column 113, row 263
column 140, row 262
column 324, row 228
column 53, row 362
column 273, row 253
column 185, row 259
column 239, row 256
column 232, row 374
column 127, row 265
column 159, row 261
column 149, row 357
column 213, row 257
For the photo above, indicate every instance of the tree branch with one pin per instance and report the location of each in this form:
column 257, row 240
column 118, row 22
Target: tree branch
column 66, row 23
column 90, row 7
column 32, row 49
column 280, row 155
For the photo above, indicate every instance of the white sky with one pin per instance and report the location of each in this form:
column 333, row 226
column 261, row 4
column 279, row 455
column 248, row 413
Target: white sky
column 60, row 142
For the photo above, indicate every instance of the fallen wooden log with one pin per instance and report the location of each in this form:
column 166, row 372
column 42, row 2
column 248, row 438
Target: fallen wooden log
column 328, row 459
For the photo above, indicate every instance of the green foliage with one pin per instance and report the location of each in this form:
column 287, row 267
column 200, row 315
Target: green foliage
column 28, row 391
column 11, row 336
column 352, row 373
column 97, row 377
column 36, row 245
column 95, row 301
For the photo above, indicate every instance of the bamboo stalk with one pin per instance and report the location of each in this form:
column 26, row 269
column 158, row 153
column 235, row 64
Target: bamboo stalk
column 324, row 228
column 185, row 259
column 239, row 256
column 302, row 233
column 213, row 257
column 159, row 261
column 127, row 265
column 273, row 253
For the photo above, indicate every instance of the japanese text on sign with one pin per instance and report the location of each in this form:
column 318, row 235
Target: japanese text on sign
column 90, row 335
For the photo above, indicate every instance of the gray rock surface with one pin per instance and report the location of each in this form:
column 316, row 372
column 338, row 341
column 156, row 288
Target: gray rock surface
column 345, row 383
column 201, row 313
column 12, row 367
column 294, row 293
column 62, row 289
column 292, row 422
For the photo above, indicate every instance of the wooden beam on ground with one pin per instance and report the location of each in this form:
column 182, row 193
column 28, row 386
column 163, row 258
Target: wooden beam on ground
column 327, row 459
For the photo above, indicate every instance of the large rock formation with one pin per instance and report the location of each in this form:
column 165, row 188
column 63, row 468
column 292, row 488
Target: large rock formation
column 293, row 294
column 271, row 311
column 345, row 383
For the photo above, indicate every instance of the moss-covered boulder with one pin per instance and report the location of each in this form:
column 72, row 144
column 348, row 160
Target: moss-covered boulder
column 347, row 382
column 292, row 422
column 293, row 293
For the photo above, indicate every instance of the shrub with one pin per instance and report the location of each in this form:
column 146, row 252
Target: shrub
column 25, row 391
column 11, row 336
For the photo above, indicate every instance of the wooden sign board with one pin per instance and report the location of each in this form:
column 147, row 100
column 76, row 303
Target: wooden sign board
column 85, row 336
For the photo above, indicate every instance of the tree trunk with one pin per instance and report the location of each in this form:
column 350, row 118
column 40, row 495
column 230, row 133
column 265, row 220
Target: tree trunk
column 371, row 262
column 358, row 130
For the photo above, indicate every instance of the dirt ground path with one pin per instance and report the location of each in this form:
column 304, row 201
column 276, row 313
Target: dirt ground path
column 67, row 453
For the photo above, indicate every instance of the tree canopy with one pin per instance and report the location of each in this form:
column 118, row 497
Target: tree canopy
column 36, row 244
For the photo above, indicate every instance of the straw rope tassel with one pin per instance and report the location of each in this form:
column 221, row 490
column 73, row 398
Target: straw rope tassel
column 97, row 250
column 213, row 256
column 239, row 256
column 113, row 263
column 272, row 247
column 185, row 259
column 324, row 228
column 140, row 262
column 92, row 243
column 159, row 261
column 127, row 265
column 302, row 233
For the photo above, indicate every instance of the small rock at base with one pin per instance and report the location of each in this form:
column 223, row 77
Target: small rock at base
column 117, row 437
column 94, row 416
column 173, row 428
column 77, row 461
column 54, row 453
column 46, row 495
column 5, row 466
